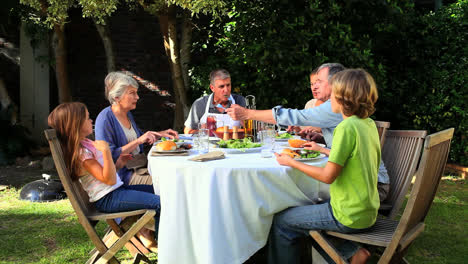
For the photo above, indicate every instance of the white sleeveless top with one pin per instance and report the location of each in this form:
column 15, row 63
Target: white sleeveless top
column 95, row 188
column 131, row 135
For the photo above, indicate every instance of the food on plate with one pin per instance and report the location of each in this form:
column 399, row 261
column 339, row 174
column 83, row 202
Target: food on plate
column 174, row 139
column 301, row 153
column 290, row 153
column 238, row 143
column 166, row 145
column 186, row 146
column 284, row 136
column 296, row 143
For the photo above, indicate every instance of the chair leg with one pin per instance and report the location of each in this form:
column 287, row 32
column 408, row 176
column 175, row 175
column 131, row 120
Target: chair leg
column 96, row 255
column 139, row 257
column 126, row 237
column 134, row 246
column 328, row 247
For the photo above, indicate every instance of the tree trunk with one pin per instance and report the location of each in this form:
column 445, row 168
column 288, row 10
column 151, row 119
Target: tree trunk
column 104, row 33
column 168, row 25
column 61, row 69
column 60, row 53
column 185, row 45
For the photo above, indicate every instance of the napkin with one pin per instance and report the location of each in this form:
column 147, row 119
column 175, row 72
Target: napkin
column 153, row 154
column 214, row 155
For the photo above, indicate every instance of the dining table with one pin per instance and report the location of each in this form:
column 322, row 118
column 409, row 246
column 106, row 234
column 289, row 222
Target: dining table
column 221, row 211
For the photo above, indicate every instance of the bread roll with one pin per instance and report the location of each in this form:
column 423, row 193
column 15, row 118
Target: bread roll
column 166, row 145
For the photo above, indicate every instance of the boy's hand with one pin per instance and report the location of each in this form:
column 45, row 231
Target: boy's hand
column 312, row 146
column 122, row 160
column 284, row 159
column 101, row 145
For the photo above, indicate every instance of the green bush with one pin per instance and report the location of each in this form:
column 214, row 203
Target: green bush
column 440, row 96
column 419, row 61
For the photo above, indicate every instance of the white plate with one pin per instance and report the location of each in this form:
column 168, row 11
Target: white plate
column 185, row 136
column 286, row 145
column 178, row 143
column 240, row 151
column 170, row 151
column 286, row 139
column 310, row 159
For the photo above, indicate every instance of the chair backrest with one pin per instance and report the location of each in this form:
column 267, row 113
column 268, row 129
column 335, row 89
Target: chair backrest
column 78, row 197
column 400, row 156
column 382, row 127
column 430, row 171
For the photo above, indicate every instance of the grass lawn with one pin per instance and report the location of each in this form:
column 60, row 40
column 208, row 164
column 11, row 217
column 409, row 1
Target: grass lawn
column 50, row 232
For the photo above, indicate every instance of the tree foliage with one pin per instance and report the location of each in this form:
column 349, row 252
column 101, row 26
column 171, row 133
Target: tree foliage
column 418, row 60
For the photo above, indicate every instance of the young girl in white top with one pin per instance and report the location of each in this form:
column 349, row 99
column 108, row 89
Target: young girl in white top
column 91, row 163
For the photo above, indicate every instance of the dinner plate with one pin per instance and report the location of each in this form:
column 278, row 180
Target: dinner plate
column 170, row 151
column 286, row 139
column 320, row 145
column 311, row 159
column 178, row 143
column 240, row 151
column 284, row 145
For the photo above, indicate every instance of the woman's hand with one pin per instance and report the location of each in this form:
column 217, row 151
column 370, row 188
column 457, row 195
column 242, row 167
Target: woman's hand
column 284, row 159
column 168, row 133
column 148, row 138
column 101, row 145
column 122, row 160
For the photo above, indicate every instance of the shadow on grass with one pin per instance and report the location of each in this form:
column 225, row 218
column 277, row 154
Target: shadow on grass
column 42, row 237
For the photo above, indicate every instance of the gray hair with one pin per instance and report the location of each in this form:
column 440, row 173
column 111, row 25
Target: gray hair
column 333, row 68
column 219, row 74
column 116, row 84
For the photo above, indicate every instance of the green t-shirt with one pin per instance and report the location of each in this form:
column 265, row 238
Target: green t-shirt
column 353, row 194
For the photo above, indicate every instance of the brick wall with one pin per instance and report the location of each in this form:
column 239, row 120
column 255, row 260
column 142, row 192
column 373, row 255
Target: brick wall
column 137, row 47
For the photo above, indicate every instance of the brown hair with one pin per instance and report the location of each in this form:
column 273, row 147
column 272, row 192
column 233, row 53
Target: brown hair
column 67, row 119
column 355, row 90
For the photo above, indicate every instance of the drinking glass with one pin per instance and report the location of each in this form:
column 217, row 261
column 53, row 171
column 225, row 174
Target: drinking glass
column 267, row 136
column 196, row 141
column 248, row 125
column 204, row 140
column 211, row 124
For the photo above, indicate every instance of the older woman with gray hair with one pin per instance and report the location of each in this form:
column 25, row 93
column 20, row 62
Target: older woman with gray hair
column 115, row 124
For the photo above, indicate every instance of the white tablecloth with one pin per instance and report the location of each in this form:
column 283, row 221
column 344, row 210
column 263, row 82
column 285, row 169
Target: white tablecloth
column 221, row 211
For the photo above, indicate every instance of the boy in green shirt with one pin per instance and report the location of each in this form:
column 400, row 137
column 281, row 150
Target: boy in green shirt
column 351, row 172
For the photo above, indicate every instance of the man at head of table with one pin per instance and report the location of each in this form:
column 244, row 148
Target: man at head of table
column 321, row 116
column 215, row 103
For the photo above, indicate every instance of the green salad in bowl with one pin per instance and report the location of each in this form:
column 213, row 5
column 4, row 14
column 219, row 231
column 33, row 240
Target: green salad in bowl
column 284, row 136
column 238, row 144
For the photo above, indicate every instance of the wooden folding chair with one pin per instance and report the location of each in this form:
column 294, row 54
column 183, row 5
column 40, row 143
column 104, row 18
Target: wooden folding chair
column 88, row 216
column 401, row 156
column 396, row 236
column 382, row 127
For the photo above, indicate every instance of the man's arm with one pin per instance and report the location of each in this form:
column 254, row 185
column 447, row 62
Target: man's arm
column 237, row 112
column 321, row 116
